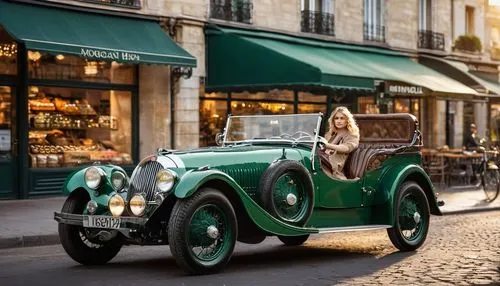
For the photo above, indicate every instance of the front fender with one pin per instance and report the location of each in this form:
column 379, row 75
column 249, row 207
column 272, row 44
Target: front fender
column 76, row 181
column 194, row 179
column 393, row 179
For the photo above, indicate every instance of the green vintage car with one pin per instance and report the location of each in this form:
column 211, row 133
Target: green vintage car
column 266, row 178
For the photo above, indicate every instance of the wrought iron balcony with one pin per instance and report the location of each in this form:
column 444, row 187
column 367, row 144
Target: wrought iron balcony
column 318, row 22
column 134, row 4
column 374, row 33
column 236, row 11
column 430, row 40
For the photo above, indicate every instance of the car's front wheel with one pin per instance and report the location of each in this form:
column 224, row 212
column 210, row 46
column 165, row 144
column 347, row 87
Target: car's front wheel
column 82, row 244
column 411, row 221
column 202, row 232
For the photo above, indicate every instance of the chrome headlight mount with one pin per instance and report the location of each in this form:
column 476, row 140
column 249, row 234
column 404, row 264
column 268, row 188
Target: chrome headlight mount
column 93, row 177
column 165, row 180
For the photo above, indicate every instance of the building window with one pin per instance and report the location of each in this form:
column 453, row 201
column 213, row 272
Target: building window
column 374, row 20
column 42, row 65
column 469, row 20
column 74, row 126
column 318, row 16
column 232, row 10
column 425, row 14
column 8, row 54
column 134, row 4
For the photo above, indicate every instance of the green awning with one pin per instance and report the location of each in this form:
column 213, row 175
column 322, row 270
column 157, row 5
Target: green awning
column 249, row 59
column 91, row 35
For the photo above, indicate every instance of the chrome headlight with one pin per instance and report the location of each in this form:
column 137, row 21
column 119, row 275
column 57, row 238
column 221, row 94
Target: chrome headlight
column 137, row 205
column 116, row 205
column 93, row 177
column 118, row 180
column 165, row 180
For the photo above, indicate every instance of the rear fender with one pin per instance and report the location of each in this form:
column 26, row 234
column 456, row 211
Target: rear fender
column 193, row 180
column 394, row 178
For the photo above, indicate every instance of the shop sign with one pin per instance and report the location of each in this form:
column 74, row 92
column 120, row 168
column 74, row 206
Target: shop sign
column 482, row 68
column 109, row 55
column 404, row 89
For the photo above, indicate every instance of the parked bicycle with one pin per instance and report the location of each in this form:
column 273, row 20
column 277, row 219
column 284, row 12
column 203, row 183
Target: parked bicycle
column 489, row 173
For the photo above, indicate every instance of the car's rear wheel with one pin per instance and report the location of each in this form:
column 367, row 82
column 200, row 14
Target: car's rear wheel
column 293, row 240
column 202, row 232
column 287, row 192
column 82, row 244
column 411, row 221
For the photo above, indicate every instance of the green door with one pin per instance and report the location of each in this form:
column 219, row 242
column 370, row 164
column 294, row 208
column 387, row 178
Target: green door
column 8, row 142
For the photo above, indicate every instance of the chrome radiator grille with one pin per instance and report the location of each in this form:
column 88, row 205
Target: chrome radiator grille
column 144, row 180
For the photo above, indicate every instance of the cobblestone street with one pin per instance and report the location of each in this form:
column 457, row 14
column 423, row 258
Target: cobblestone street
column 460, row 250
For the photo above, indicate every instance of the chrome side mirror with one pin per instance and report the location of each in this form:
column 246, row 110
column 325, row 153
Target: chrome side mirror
column 219, row 137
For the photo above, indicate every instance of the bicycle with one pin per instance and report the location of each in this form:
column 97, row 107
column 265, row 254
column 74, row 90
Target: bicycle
column 489, row 174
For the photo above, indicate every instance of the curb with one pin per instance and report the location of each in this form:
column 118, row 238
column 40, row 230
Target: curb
column 29, row 241
column 471, row 210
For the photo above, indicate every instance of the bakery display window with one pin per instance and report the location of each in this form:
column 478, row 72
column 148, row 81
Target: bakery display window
column 42, row 65
column 213, row 115
column 8, row 54
column 71, row 126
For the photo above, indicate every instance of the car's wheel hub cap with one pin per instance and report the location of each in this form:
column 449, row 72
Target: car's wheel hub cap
column 416, row 217
column 212, row 232
column 291, row 199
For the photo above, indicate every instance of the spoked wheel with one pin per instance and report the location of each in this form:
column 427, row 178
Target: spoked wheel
column 293, row 240
column 202, row 232
column 287, row 192
column 491, row 184
column 83, row 244
column 411, row 222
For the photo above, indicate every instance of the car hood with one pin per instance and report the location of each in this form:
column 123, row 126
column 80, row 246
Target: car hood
column 233, row 156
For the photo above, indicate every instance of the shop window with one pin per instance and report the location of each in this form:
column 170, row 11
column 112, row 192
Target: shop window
column 213, row 115
column 311, row 98
column 8, row 54
column 5, row 119
column 275, row 94
column 263, row 108
column 402, row 105
column 43, row 65
column 311, row 103
column 367, row 105
column 495, row 124
column 70, row 126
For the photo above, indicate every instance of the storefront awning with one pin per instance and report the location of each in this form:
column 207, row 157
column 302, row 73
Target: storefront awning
column 460, row 72
column 253, row 59
column 90, row 35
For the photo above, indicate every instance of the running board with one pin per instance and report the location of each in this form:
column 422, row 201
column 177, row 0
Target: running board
column 353, row 228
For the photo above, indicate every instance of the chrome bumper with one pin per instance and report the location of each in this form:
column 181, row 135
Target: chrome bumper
column 76, row 219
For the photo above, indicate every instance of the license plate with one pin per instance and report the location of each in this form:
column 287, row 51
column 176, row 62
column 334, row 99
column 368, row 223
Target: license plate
column 102, row 222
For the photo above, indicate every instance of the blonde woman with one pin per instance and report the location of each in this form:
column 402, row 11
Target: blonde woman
column 341, row 139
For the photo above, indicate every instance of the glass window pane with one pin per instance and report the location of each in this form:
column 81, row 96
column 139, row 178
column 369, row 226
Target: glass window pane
column 252, row 108
column 70, row 126
column 8, row 54
column 42, row 65
column 275, row 94
column 213, row 115
column 6, row 129
column 309, row 97
column 402, row 105
column 312, row 108
column 215, row 95
column 366, row 105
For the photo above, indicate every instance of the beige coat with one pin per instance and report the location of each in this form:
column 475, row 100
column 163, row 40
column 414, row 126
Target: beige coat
column 337, row 159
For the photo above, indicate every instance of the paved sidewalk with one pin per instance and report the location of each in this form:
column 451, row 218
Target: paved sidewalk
column 30, row 222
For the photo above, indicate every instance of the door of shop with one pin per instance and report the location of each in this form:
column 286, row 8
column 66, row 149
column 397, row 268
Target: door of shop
column 8, row 143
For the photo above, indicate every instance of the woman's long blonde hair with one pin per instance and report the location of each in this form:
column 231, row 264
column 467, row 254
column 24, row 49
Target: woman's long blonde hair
column 352, row 126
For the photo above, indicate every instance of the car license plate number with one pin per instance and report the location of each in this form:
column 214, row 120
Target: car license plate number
column 102, row 222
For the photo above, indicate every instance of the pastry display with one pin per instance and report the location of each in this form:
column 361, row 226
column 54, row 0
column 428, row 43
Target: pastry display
column 67, row 132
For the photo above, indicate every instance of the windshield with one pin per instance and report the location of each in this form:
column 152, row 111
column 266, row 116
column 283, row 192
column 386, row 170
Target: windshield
column 294, row 128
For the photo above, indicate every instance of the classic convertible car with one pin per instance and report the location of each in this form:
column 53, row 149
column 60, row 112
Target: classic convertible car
column 266, row 178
